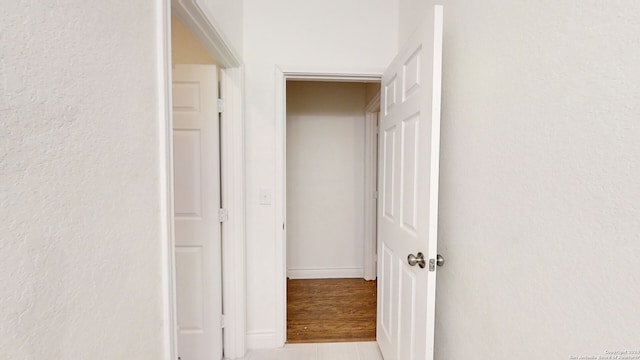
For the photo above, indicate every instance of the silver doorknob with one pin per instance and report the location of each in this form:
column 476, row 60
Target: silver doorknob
column 439, row 260
column 417, row 259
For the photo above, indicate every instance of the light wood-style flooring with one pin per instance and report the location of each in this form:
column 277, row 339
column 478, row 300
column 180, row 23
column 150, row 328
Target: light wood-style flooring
column 331, row 310
column 324, row 351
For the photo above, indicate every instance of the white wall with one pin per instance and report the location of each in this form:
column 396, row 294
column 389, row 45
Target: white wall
column 325, row 179
column 539, row 202
column 80, row 246
column 411, row 13
column 227, row 16
column 354, row 35
column 185, row 48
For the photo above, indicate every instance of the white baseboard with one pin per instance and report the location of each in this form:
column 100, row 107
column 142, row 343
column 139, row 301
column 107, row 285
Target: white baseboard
column 325, row 273
column 263, row 340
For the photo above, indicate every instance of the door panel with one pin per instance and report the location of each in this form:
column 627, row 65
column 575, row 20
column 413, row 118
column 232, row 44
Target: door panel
column 408, row 178
column 407, row 346
column 196, row 164
column 385, row 323
column 388, row 175
column 409, row 158
column 187, row 174
column 189, row 284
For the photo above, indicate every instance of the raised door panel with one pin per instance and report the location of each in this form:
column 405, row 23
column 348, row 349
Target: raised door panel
column 409, row 184
column 190, row 289
column 187, row 174
column 388, row 173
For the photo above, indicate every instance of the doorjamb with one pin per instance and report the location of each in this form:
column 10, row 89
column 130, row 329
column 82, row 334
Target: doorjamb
column 165, row 179
column 233, row 200
column 370, row 187
column 281, row 77
column 232, row 174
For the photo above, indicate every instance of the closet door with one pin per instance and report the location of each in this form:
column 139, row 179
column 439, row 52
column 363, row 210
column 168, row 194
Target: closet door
column 196, row 167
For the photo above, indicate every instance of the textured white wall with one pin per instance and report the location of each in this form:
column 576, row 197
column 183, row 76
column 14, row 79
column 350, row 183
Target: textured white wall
column 540, row 197
column 325, row 179
column 79, row 190
column 356, row 35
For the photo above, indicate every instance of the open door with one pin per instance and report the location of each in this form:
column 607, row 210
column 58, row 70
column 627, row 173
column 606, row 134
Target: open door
column 196, row 164
column 408, row 203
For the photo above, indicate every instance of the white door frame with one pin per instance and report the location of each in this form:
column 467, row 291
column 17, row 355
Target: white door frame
column 280, row 201
column 370, row 187
column 232, row 173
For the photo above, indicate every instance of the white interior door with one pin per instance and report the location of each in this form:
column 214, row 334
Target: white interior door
column 196, row 161
column 408, row 203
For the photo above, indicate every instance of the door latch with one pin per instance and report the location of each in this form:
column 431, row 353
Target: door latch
column 439, row 260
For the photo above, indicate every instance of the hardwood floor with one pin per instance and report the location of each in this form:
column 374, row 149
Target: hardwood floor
column 331, row 310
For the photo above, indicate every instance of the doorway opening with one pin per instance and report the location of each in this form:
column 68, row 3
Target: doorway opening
column 197, row 43
column 330, row 208
column 197, row 196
